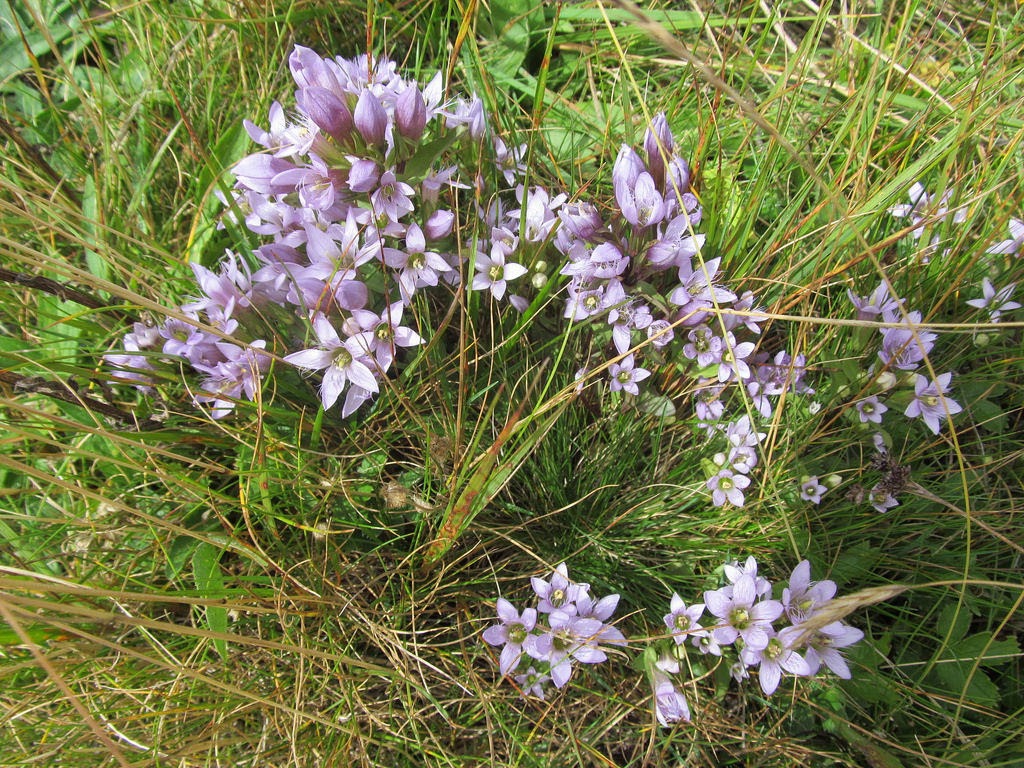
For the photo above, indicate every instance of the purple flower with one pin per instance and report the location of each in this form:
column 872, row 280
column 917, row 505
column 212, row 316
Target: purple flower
column 626, row 317
column 682, row 621
column 583, row 303
column 558, row 592
column 993, row 301
column 509, row 160
column 660, row 333
column 382, row 332
column 326, row 110
column 341, row 361
column 259, row 173
column 371, row 119
column 727, row 486
column 659, row 145
column 878, row 304
column 185, row 340
column 904, row 348
column 540, row 217
column 439, row 225
column 870, row 409
column 223, row 291
column 411, row 113
column 677, row 246
column 803, row 597
column 704, row 347
column 931, row 403
column 743, row 616
column 1012, row 246
column 641, row 203
column 669, row 704
column 274, row 139
column 627, row 169
column 734, row 359
column 569, row 638
column 493, row 273
column 237, row 373
column 392, row 198
column 923, row 209
column 811, row 490
column 697, row 292
column 624, row 376
column 734, row 572
column 510, row 633
column 419, row 267
column 775, row 658
column 881, row 500
column 335, row 251
column 822, row 645
column 602, row 610
column 132, row 367
column 532, row 682
column 605, row 262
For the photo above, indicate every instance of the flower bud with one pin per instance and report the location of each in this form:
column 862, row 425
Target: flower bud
column 307, row 66
column 540, row 266
column 326, row 110
column 439, row 225
column 885, row 381
column 908, row 379
column 363, row 175
column 539, row 280
column 411, row 113
column 982, row 340
column 370, row 119
column 627, row 169
column 831, row 481
column 658, row 145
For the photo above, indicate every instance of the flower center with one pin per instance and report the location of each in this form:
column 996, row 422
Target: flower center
column 726, row 483
column 774, row 650
column 516, row 634
column 930, row 400
column 383, row 332
column 562, row 641
column 682, row 622
column 739, row 618
column 624, row 377
column 496, row 272
column 342, row 358
column 417, row 261
column 557, row 597
column 591, row 302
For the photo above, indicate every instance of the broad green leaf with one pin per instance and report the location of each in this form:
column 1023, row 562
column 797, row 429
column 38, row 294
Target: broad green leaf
column 995, row 652
column 210, row 584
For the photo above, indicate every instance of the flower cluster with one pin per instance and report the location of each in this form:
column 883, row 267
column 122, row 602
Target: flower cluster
column 926, row 211
column 348, row 191
column 905, row 345
column 639, row 277
column 566, row 627
column 774, row 636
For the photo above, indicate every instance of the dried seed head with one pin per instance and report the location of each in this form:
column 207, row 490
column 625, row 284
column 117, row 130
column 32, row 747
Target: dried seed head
column 395, row 495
